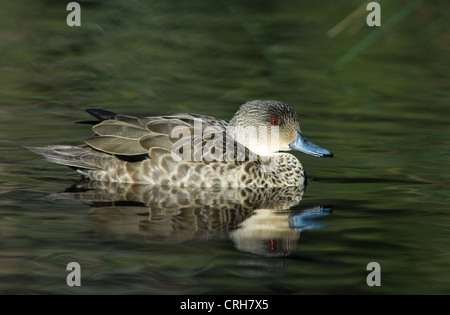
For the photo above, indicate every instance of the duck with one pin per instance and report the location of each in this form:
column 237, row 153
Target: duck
column 190, row 150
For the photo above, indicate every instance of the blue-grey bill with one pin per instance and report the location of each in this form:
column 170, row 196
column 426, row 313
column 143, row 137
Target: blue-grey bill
column 304, row 145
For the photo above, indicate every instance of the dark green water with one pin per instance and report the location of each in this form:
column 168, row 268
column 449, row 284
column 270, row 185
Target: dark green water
column 377, row 97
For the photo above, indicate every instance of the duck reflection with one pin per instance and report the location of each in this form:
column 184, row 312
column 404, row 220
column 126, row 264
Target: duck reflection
column 257, row 220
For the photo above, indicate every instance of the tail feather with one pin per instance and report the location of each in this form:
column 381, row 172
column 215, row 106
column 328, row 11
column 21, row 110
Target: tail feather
column 73, row 156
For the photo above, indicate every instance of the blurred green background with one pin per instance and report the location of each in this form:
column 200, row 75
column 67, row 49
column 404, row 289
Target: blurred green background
column 378, row 97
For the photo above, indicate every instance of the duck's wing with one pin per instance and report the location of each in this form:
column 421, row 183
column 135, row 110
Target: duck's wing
column 131, row 136
column 194, row 138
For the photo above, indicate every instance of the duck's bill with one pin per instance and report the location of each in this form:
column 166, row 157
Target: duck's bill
column 304, row 145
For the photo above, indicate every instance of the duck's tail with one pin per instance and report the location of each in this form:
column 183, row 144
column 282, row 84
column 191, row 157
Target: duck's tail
column 78, row 157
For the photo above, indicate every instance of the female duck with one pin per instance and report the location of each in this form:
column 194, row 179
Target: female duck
column 193, row 150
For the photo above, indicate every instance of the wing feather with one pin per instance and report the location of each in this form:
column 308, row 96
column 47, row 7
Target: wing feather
column 116, row 145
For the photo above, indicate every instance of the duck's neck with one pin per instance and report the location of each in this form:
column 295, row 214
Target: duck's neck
column 258, row 139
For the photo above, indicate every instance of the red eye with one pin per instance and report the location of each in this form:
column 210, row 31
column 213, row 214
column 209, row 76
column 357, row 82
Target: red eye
column 274, row 121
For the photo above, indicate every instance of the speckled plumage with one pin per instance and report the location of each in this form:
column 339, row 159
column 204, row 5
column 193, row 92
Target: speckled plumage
column 127, row 149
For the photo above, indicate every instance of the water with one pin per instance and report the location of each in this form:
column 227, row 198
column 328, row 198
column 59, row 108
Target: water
column 377, row 98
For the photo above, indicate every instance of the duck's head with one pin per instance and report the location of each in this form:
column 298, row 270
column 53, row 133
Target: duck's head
column 267, row 127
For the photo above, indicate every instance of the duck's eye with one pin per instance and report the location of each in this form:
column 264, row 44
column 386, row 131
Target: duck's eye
column 274, row 121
